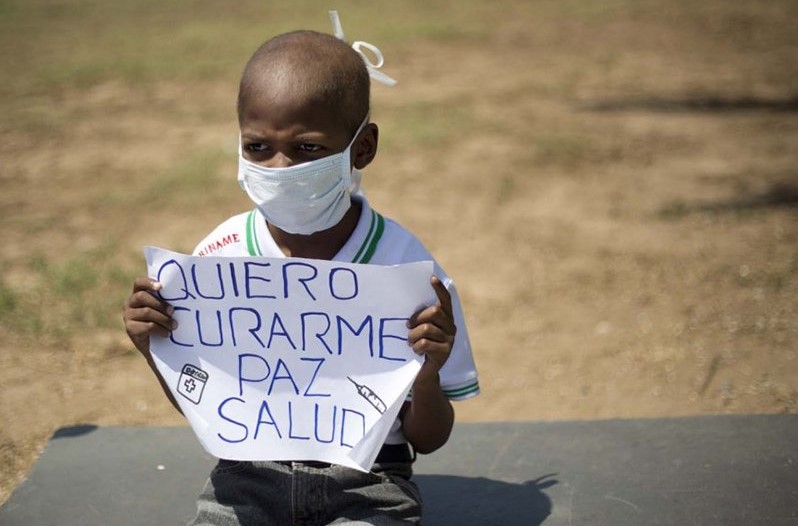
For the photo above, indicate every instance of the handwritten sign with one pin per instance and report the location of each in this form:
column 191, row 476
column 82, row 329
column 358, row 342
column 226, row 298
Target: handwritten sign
column 289, row 359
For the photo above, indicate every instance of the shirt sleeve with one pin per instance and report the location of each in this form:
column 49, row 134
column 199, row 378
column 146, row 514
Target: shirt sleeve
column 459, row 379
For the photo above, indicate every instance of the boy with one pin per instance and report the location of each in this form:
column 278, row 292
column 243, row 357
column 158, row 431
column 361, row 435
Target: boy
column 303, row 108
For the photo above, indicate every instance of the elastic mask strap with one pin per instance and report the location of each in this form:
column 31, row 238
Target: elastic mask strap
column 359, row 129
column 373, row 67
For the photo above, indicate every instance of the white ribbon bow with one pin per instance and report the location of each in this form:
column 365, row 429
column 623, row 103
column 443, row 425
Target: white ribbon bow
column 372, row 66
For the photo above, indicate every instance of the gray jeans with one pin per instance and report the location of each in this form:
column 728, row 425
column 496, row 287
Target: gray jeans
column 307, row 493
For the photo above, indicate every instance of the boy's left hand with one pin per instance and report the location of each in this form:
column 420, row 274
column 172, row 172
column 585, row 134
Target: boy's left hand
column 432, row 331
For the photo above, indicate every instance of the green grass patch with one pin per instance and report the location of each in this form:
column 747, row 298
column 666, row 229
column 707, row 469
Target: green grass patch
column 8, row 301
column 80, row 293
column 427, row 123
column 48, row 45
column 564, row 149
column 193, row 181
column 507, row 187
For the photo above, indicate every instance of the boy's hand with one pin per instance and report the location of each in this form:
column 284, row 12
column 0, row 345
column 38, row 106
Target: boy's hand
column 432, row 332
column 144, row 314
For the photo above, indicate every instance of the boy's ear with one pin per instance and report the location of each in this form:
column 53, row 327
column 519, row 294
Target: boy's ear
column 365, row 149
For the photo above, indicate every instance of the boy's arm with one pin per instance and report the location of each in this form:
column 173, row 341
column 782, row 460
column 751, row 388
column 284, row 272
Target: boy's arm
column 164, row 387
column 145, row 314
column 428, row 420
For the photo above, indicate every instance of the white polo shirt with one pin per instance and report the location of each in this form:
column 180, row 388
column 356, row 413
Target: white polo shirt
column 375, row 240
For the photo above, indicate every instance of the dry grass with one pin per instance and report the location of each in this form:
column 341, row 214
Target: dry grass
column 612, row 186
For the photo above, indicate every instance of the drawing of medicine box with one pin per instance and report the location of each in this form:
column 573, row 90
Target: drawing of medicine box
column 192, row 382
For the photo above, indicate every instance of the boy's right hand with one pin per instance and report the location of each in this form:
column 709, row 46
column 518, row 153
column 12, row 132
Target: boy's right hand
column 144, row 314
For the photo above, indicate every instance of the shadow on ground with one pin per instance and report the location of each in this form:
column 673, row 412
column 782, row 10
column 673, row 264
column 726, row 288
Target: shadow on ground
column 777, row 195
column 707, row 104
column 457, row 500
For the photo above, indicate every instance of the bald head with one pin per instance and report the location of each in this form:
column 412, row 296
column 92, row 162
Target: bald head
column 317, row 68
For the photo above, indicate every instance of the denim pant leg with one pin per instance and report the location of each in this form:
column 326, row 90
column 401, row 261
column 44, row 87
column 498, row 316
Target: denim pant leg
column 384, row 497
column 245, row 494
column 271, row 493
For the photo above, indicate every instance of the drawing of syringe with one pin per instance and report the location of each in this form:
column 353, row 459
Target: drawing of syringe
column 370, row 396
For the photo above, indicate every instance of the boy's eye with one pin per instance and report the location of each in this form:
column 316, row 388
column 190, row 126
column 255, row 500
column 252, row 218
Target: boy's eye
column 255, row 147
column 309, row 148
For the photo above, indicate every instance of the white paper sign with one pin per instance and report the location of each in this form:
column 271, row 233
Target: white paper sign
column 289, row 359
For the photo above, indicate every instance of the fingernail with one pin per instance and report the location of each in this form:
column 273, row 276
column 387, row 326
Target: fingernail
column 174, row 324
column 170, row 310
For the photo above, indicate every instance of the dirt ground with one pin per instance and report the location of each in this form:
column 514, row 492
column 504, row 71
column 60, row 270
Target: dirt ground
column 614, row 190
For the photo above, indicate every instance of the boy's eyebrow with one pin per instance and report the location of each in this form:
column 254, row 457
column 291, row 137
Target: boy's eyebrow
column 310, row 134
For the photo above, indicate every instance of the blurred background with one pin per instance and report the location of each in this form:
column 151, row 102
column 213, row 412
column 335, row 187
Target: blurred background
column 613, row 186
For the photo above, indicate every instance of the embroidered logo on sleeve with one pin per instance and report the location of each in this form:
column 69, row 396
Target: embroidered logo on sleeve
column 218, row 244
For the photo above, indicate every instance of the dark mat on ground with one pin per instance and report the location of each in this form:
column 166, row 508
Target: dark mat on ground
column 713, row 470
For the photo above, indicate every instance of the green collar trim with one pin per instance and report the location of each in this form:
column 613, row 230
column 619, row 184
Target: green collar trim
column 369, row 246
column 364, row 253
column 252, row 238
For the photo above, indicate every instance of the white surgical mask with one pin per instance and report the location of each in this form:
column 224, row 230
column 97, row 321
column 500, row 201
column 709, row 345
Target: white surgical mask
column 304, row 198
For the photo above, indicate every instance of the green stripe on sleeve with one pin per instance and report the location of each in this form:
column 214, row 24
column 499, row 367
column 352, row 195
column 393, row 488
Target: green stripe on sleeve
column 456, row 393
column 462, row 391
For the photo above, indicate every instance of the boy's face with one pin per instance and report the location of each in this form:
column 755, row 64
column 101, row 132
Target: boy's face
column 281, row 128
